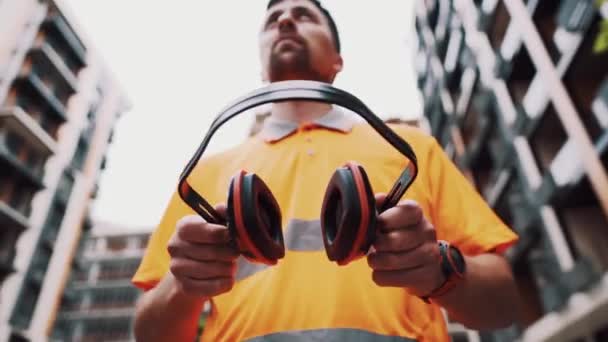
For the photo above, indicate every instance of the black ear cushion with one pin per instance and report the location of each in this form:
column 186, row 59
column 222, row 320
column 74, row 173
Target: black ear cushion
column 348, row 214
column 231, row 218
column 255, row 219
column 262, row 217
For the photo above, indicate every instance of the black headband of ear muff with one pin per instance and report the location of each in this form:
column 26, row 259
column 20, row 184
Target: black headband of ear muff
column 289, row 91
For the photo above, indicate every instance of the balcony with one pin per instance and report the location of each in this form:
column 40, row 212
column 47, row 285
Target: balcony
column 32, row 177
column 7, row 252
column 585, row 312
column 125, row 313
column 16, row 120
column 44, row 56
column 10, row 217
column 6, row 269
column 105, row 284
column 65, row 186
column 452, row 62
column 31, row 84
column 59, row 34
column 547, row 135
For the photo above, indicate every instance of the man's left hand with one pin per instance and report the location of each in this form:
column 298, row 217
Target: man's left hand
column 405, row 251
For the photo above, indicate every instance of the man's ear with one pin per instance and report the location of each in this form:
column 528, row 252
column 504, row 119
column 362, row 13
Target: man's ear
column 264, row 76
column 338, row 64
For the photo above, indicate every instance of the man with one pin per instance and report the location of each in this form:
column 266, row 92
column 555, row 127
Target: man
column 393, row 293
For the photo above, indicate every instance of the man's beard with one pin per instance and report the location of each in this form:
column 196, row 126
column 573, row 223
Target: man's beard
column 295, row 67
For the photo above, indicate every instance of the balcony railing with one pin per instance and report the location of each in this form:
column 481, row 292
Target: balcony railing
column 32, row 177
column 17, row 120
column 45, row 55
column 123, row 312
column 65, row 41
column 10, row 217
column 32, row 82
column 103, row 284
column 6, row 268
column 545, row 149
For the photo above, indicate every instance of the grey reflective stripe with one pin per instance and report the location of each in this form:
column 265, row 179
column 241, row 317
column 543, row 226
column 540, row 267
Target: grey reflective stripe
column 329, row 335
column 302, row 235
column 245, row 268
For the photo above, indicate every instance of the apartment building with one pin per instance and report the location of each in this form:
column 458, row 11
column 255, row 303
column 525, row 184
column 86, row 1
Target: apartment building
column 98, row 303
column 517, row 93
column 58, row 107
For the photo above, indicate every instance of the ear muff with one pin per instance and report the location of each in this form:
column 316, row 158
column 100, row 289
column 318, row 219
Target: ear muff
column 254, row 219
column 348, row 215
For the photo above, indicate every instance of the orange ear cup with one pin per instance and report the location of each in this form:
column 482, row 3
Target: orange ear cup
column 254, row 219
column 348, row 214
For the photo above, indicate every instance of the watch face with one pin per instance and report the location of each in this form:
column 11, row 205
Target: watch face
column 458, row 259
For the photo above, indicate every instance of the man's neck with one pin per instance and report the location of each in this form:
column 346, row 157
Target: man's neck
column 299, row 111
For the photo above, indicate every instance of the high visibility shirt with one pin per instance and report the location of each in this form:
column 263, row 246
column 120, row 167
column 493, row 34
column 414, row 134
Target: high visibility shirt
column 305, row 295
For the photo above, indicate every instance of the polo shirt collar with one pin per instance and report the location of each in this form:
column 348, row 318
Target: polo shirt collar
column 274, row 129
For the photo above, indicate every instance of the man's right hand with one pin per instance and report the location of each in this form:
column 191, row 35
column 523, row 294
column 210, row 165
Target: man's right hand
column 203, row 261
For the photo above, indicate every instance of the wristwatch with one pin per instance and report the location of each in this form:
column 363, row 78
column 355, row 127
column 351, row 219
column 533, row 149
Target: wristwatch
column 453, row 267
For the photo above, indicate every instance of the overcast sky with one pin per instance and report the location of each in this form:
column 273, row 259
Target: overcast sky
column 182, row 61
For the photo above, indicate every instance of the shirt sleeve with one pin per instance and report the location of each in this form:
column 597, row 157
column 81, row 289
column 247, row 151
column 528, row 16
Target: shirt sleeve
column 459, row 213
column 155, row 262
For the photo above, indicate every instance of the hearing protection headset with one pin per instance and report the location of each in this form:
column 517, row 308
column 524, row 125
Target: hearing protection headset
column 348, row 214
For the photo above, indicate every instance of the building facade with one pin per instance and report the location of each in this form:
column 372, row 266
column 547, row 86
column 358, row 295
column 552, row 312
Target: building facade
column 516, row 91
column 58, row 106
column 99, row 300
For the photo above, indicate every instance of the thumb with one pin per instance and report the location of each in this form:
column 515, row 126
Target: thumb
column 380, row 198
column 221, row 209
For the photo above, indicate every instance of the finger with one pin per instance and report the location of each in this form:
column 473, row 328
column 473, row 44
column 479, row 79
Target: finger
column 405, row 215
column 202, row 252
column 221, row 209
column 405, row 239
column 207, row 287
column 398, row 240
column 195, row 229
column 393, row 261
column 415, row 278
column 427, row 254
column 201, row 270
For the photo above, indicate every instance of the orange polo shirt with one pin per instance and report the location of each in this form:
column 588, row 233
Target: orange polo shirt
column 305, row 295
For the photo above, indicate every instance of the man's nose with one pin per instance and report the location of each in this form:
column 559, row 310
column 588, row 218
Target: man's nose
column 286, row 22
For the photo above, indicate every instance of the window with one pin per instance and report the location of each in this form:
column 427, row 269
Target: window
column 118, row 271
column 24, row 309
column 14, row 143
column 81, row 153
column 20, row 199
column 65, row 186
column 116, row 243
column 49, row 125
column 143, row 242
column 54, row 218
column 35, row 161
column 113, row 298
column 106, row 330
column 6, row 184
column 26, row 103
column 7, row 246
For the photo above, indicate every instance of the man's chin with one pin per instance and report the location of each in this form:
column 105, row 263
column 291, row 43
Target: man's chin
column 289, row 58
column 297, row 76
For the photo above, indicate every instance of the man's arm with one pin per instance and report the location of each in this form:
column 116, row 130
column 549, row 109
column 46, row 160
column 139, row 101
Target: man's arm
column 166, row 314
column 202, row 265
column 406, row 254
column 487, row 297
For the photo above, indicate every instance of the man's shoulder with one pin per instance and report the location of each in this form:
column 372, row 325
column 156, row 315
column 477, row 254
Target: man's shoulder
column 223, row 157
column 414, row 135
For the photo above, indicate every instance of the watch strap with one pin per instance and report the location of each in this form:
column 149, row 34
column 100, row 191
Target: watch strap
column 449, row 270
